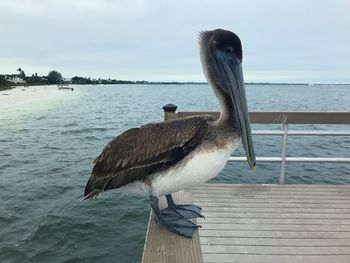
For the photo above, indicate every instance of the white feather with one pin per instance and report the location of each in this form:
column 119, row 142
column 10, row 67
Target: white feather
column 201, row 166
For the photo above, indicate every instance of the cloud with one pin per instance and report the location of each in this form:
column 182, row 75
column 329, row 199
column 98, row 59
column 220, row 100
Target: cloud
column 157, row 40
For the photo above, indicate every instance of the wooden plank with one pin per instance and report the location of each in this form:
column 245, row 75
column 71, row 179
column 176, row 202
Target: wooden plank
column 274, row 234
column 274, row 250
column 275, row 215
column 271, row 200
column 225, row 258
column 165, row 246
column 296, row 242
column 263, row 223
column 247, row 191
column 315, row 195
column 274, row 223
column 287, row 221
column 281, row 227
column 207, row 204
column 276, row 187
column 283, row 187
column 288, row 196
column 275, row 210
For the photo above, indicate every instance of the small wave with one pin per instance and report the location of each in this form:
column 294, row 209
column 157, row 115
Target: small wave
column 5, row 166
column 23, row 130
column 92, row 138
column 84, row 130
column 6, row 140
column 50, row 191
column 61, row 226
column 12, row 254
column 8, row 219
column 50, row 147
column 42, row 117
column 71, row 124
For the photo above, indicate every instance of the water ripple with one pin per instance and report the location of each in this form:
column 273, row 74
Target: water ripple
column 84, row 130
column 46, row 160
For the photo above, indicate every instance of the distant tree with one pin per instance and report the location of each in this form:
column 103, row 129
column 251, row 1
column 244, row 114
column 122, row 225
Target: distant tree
column 36, row 80
column 22, row 75
column 4, row 83
column 2, row 80
column 81, row 80
column 54, row 77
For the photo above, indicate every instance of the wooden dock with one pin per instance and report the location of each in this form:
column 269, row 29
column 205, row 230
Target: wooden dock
column 259, row 223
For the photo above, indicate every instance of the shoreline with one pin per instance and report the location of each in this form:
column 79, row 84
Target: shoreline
column 11, row 87
column 19, row 95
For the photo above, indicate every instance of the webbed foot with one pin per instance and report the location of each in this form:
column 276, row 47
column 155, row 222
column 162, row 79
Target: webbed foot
column 172, row 219
column 187, row 211
column 177, row 224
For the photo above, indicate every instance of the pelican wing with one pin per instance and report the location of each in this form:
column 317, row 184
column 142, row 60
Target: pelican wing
column 138, row 152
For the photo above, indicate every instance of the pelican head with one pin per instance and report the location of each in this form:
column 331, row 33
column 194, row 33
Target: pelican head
column 221, row 57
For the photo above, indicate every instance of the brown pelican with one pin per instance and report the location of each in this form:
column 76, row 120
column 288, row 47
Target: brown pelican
column 162, row 158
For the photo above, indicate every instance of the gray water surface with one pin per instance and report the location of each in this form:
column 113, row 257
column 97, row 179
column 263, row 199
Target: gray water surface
column 46, row 151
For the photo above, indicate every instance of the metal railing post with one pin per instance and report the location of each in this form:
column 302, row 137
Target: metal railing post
column 283, row 153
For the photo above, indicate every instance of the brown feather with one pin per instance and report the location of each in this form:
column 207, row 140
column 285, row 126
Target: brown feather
column 138, row 152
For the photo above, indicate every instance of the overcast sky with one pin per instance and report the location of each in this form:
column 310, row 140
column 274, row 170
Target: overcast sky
column 283, row 41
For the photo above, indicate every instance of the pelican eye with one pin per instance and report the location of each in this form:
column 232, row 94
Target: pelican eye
column 228, row 50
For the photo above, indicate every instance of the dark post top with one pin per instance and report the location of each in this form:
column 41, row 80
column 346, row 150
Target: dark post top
column 169, row 108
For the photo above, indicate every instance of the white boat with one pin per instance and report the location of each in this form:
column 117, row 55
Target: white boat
column 64, row 86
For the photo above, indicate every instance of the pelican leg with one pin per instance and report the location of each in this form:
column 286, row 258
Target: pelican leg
column 187, row 211
column 172, row 222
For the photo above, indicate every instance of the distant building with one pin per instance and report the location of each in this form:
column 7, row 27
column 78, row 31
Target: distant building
column 15, row 78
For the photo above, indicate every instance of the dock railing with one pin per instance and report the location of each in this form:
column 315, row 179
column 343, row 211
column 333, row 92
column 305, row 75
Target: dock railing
column 285, row 119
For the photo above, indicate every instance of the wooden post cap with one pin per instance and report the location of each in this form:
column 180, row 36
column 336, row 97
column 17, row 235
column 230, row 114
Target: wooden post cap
column 169, row 108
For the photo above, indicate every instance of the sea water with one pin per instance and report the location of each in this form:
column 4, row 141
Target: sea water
column 46, row 150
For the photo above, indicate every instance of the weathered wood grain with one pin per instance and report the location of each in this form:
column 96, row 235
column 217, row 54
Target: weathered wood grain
column 242, row 258
column 260, row 224
column 274, row 223
column 166, row 247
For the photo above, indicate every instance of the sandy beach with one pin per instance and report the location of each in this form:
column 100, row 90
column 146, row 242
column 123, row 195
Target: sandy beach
column 20, row 96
